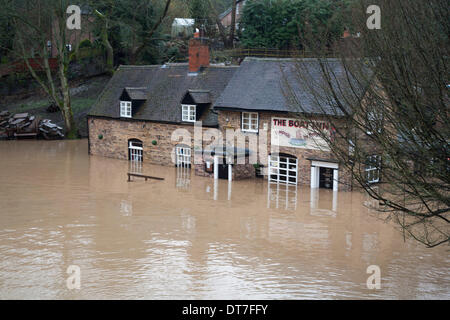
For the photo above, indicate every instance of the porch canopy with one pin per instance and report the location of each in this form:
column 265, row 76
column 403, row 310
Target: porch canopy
column 224, row 152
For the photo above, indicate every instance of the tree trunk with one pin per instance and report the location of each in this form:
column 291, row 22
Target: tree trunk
column 233, row 25
column 106, row 44
column 109, row 56
column 222, row 31
column 66, row 107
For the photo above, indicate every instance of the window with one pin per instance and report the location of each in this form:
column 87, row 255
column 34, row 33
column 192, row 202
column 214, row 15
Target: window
column 183, row 156
column 250, row 121
column 135, row 150
column 125, row 109
column 373, row 169
column 188, row 112
column 283, row 169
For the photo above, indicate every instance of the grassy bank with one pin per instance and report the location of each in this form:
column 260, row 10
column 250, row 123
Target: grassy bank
column 85, row 93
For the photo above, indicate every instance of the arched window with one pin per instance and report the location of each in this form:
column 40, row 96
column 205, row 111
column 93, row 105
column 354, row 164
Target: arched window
column 135, row 150
column 283, row 168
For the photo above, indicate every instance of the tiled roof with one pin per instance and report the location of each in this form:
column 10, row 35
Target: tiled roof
column 265, row 84
column 165, row 88
column 137, row 93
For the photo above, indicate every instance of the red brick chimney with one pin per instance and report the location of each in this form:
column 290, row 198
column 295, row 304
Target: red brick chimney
column 198, row 53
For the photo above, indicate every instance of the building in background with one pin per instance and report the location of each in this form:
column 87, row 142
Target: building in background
column 182, row 28
column 225, row 17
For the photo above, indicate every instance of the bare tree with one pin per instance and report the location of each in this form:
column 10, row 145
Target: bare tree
column 389, row 106
column 35, row 24
column 142, row 19
column 150, row 33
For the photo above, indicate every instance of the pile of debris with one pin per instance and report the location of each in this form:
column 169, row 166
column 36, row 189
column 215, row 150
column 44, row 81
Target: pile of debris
column 26, row 125
column 50, row 130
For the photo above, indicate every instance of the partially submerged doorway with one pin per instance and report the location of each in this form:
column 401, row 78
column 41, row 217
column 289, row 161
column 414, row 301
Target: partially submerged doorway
column 325, row 178
column 324, row 174
column 223, row 171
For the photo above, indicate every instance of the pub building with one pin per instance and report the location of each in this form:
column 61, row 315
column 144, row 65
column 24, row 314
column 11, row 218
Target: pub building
column 141, row 106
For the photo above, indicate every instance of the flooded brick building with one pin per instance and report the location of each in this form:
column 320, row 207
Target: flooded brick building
column 142, row 106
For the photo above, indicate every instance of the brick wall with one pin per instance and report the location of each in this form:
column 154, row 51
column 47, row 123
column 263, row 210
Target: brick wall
column 232, row 120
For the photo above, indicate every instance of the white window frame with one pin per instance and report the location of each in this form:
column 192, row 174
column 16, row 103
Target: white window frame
column 246, row 121
column 188, row 112
column 373, row 168
column 290, row 167
column 125, row 109
column 136, row 151
column 183, row 156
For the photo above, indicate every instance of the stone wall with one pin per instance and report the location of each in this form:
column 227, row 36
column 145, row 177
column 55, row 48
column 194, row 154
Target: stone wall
column 243, row 171
column 200, row 169
column 240, row 171
column 115, row 134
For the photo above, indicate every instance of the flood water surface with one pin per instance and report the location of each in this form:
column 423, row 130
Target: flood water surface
column 188, row 237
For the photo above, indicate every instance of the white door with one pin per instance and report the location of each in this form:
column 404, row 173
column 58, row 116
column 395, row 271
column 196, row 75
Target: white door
column 183, row 157
column 283, row 169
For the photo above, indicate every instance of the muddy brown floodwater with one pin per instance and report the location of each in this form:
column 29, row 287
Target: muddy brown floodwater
column 187, row 238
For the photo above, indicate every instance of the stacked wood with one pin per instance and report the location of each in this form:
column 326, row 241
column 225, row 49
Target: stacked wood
column 27, row 125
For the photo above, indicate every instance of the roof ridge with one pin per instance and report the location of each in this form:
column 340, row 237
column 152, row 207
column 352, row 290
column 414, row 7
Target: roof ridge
column 128, row 66
column 170, row 65
column 290, row 59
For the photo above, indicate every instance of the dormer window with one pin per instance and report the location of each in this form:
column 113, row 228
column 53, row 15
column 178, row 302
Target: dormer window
column 125, row 109
column 188, row 112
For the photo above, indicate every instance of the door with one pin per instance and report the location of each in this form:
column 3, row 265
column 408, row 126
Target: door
column 183, row 155
column 283, row 169
column 326, row 178
column 223, row 171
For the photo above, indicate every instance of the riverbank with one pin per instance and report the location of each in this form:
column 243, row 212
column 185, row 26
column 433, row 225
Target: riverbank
column 34, row 101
